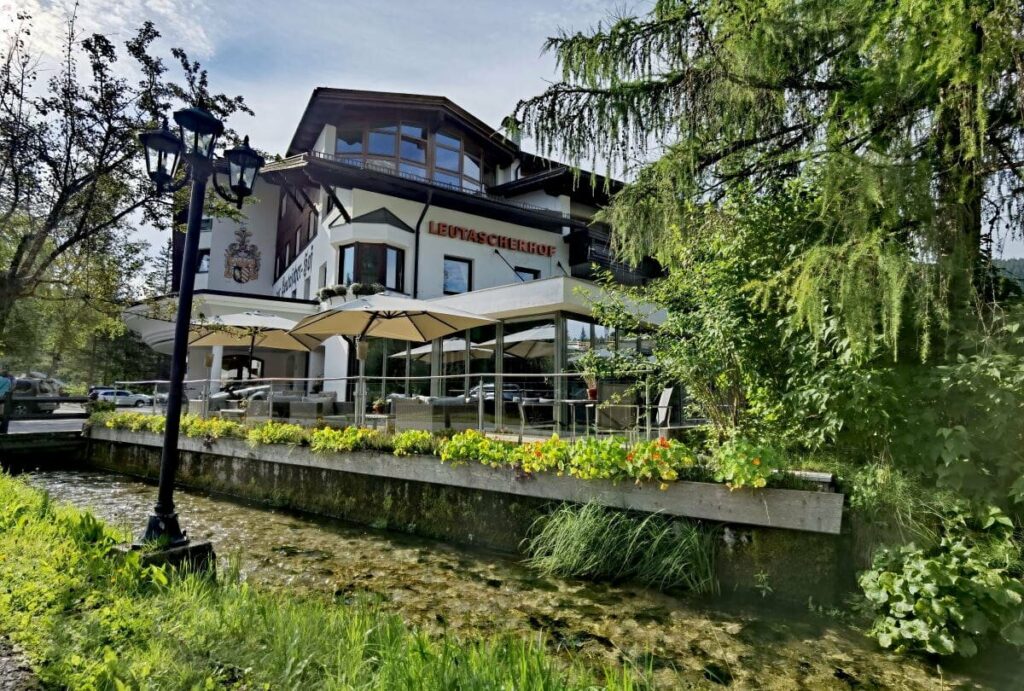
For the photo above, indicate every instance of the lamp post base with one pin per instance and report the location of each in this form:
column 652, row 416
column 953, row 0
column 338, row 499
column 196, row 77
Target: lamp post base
column 194, row 557
column 165, row 530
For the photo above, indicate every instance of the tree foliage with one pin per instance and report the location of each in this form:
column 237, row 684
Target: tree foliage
column 71, row 183
column 904, row 117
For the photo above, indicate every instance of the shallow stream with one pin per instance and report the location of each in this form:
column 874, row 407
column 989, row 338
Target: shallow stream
column 688, row 643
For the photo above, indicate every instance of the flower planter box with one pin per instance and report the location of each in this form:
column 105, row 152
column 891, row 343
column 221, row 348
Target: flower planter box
column 811, row 511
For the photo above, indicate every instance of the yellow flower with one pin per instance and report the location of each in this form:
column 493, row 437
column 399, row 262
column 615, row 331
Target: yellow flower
column 756, row 461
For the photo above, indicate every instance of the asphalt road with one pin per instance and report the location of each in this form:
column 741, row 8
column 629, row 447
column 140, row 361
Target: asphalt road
column 54, row 424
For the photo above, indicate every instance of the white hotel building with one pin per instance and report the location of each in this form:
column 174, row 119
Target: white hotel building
column 413, row 193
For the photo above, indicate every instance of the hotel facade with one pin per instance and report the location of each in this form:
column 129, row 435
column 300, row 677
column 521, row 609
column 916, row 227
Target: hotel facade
column 416, row 195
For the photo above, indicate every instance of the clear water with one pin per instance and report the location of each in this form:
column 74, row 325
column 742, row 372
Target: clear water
column 469, row 592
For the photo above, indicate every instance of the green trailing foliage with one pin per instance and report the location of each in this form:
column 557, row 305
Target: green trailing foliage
column 590, row 541
column 89, row 620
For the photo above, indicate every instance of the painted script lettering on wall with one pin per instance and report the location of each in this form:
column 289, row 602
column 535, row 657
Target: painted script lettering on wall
column 242, row 258
column 501, row 242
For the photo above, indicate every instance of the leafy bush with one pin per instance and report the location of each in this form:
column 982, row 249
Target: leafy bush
column 211, row 428
column 593, row 458
column 414, row 441
column 93, row 407
column 591, row 541
column 660, row 459
column 328, row 440
column 542, row 456
column 134, row 422
column 271, row 432
column 474, row 446
column 950, row 598
column 743, row 463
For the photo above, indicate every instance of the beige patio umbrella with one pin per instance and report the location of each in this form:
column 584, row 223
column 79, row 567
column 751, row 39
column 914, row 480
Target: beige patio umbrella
column 386, row 316
column 251, row 330
column 452, row 350
column 532, row 343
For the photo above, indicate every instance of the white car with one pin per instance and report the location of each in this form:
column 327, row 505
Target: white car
column 120, row 397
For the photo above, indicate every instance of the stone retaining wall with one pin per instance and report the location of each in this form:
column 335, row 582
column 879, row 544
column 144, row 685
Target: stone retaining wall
column 494, row 508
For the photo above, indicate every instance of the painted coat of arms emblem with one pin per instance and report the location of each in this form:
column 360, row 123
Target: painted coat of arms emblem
column 242, row 258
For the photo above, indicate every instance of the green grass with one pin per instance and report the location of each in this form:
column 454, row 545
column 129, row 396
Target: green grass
column 590, row 541
column 87, row 619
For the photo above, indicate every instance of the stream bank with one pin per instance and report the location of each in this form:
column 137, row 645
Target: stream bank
column 472, row 592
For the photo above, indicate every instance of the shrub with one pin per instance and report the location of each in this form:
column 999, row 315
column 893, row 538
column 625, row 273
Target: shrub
column 271, row 432
column 93, row 407
column 414, row 441
column 743, row 463
column 542, row 456
column 329, row 440
column 598, row 459
column 211, row 428
column 950, row 598
column 472, row 445
column 591, row 541
column 660, row 459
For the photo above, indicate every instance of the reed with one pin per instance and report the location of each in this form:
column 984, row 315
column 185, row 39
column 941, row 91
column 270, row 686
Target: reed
column 590, row 541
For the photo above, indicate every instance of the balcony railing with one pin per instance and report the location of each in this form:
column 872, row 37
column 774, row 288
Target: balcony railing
column 385, row 169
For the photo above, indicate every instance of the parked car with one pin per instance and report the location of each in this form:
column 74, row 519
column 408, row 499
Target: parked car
column 510, row 392
column 95, row 391
column 121, row 398
column 27, row 387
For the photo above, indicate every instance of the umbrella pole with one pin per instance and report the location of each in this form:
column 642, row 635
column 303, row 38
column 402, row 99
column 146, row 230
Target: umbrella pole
column 252, row 347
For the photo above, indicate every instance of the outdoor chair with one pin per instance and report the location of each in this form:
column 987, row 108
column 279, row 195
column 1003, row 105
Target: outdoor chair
column 525, row 420
column 663, row 418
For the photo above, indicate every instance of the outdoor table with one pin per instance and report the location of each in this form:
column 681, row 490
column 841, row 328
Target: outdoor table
column 373, row 419
column 231, row 413
column 571, row 402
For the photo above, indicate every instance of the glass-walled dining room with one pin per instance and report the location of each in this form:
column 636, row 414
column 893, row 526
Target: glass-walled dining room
column 518, row 374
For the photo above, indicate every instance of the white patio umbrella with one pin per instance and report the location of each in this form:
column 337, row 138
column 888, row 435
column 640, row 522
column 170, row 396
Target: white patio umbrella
column 251, row 330
column 452, row 350
column 386, row 316
column 532, row 343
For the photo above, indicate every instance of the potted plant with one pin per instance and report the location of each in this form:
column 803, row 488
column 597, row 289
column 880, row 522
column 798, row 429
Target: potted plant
column 588, row 365
column 378, row 405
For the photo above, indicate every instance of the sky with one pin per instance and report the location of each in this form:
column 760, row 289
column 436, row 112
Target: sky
column 484, row 55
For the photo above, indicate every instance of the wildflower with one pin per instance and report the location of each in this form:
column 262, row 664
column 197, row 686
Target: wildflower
column 757, row 461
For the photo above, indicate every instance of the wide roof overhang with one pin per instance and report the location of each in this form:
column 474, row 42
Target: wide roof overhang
column 316, row 170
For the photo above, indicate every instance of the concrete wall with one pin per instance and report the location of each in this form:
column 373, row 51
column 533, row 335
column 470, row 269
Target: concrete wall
column 798, row 565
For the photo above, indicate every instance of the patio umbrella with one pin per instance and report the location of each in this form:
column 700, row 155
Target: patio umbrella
column 532, row 343
column 386, row 316
column 452, row 349
column 252, row 330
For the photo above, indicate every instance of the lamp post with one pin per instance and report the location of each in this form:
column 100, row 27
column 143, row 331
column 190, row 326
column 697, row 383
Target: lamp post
column 198, row 133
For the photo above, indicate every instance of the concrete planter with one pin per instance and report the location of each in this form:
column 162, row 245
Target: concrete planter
column 810, row 511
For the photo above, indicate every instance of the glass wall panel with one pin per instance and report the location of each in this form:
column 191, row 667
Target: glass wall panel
column 382, row 140
column 413, row 150
column 446, row 158
column 349, row 141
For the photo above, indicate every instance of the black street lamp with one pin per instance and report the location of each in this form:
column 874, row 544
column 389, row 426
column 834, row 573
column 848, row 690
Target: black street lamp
column 199, row 131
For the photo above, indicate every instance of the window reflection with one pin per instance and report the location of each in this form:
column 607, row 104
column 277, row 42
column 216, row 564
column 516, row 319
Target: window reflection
column 410, row 149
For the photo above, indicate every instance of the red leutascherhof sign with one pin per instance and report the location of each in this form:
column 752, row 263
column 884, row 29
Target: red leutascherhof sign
column 500, row 242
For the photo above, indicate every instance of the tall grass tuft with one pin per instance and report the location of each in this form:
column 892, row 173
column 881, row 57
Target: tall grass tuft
column 591, row 541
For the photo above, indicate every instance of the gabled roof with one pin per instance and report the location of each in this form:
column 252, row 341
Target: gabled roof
column 325, row 99
column 384, row 217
